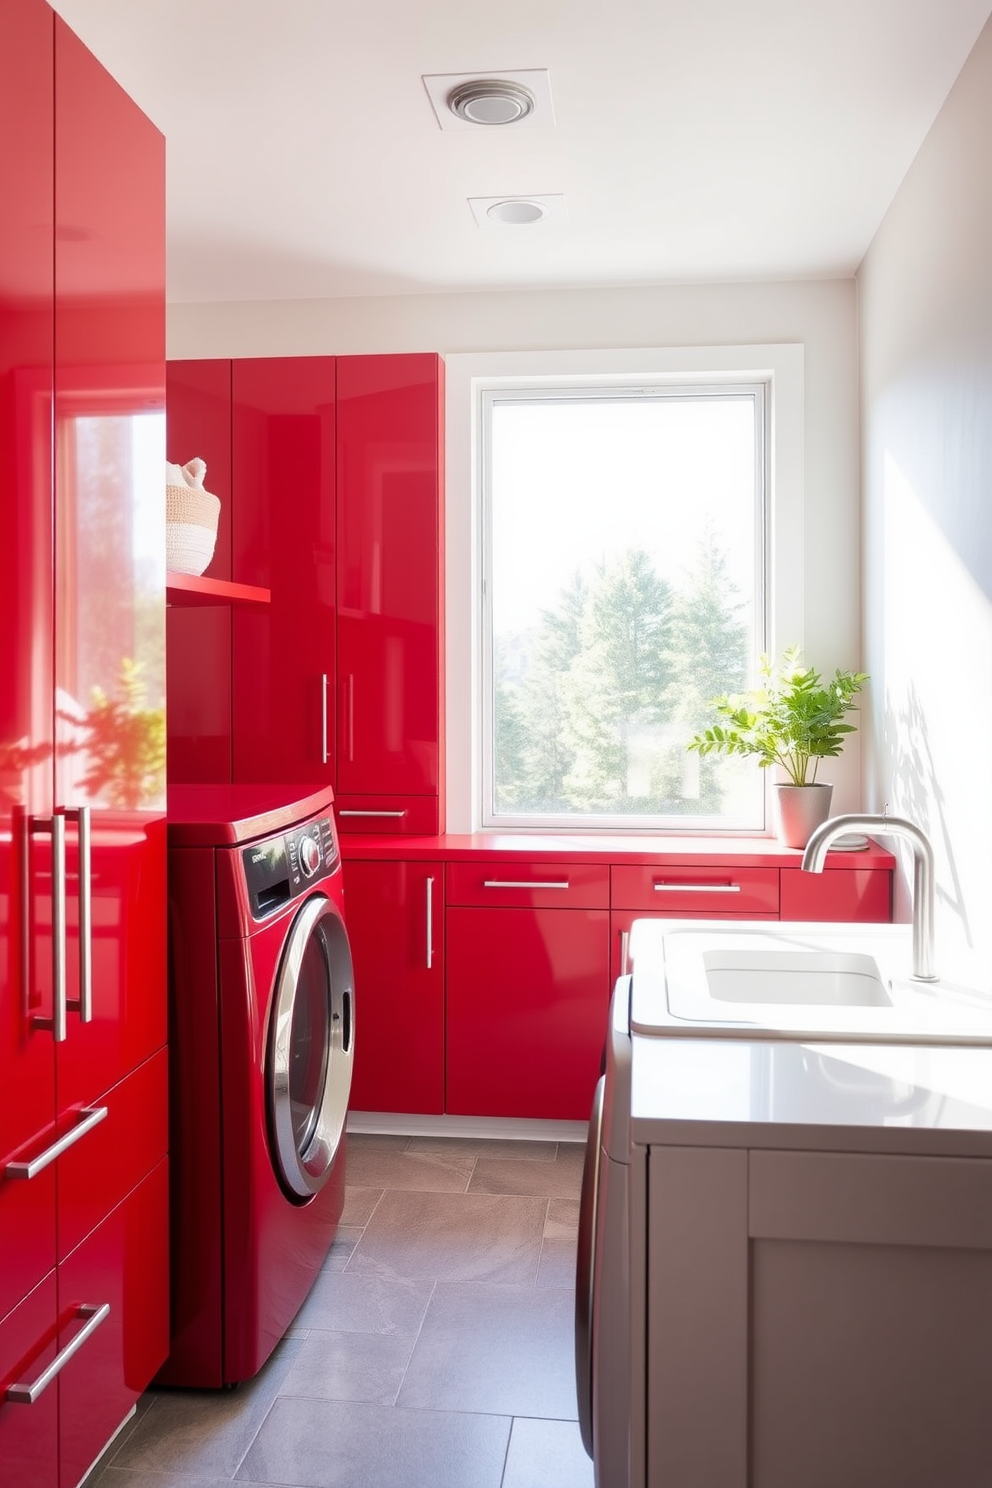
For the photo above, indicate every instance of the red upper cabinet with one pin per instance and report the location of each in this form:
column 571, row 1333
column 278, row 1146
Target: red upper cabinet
column 390, row 532
column 283, row 446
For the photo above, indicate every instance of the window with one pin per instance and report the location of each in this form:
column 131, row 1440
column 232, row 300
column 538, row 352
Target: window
column 624, row 537
column 623, row 534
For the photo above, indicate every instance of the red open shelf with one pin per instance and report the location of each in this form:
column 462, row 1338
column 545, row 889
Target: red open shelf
column 188, row 589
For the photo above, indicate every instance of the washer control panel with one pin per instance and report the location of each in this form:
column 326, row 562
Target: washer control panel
column 277, row 869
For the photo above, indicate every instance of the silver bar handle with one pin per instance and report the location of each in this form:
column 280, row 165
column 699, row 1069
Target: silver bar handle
column 59, row 998
column 81, row 815
column 430, row 923
column 323, row 718
column 351, row 717
column 624, row 952
column 696, row 888
column 28, row 1394
column 371, row 813
column 510, row 883
column 92, row 1116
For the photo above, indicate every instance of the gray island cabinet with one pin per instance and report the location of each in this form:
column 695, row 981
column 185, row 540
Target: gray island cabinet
column 811, row 1265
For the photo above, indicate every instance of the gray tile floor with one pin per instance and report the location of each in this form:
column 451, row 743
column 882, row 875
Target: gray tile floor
column 434, row 1351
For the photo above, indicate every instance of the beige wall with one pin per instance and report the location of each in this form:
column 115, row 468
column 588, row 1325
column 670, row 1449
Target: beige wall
column 821, row 316
column 925, row 293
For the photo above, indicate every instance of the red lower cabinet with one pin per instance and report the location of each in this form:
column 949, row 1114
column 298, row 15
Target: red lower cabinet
column 527, row 1002
column 29, row 1431
column 856, row 894
column 102, row 1320
column 395, row 914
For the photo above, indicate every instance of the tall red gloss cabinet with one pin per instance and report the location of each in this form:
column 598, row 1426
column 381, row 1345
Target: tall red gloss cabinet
column 83, row 1145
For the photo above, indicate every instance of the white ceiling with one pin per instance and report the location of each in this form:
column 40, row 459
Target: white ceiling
column 693, row 139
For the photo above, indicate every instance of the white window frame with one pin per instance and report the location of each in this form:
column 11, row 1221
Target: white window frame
column 778, row 367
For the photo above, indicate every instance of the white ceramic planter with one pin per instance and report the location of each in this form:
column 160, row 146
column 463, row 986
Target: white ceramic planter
column 798, row 811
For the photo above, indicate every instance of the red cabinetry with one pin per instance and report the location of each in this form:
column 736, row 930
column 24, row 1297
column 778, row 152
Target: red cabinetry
column 82, row 753
column 395, row 914
column 390, row 565
column 283, row 455
column 527, row 952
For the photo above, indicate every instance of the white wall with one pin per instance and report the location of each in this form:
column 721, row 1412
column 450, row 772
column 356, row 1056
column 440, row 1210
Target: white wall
column 925, row 291
column 821, row 316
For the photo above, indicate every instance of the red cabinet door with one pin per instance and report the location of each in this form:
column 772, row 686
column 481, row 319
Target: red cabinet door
column 390, row 537
column 198, row 423
column 283, row 453
column 27, row 1052
column 394, row 913
column 109, row 568
column 527, row 1004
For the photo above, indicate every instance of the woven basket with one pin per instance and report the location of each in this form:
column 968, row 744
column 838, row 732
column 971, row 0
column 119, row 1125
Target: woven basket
column 191, row 516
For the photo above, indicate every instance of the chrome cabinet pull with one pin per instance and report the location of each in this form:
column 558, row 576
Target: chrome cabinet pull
column 81, row 816
column 323, row 718
column 351, row 718
column 430, row 923
column 510, row 883
column 92, row 1116
column 371, row 813
column 58, row 1021
column 624, row 952
column 696, row 888
column 24, row 1394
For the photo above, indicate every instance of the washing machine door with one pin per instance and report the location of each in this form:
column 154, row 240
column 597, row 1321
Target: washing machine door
column 311, row 1048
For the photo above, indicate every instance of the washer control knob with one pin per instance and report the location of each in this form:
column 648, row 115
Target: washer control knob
column 309, row 857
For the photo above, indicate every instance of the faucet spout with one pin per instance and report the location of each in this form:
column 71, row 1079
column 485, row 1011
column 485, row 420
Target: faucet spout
column 815, row 855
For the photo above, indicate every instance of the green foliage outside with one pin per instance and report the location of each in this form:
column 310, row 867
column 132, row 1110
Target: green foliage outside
column 793, row 719
column 594, row 708
column 125, row 744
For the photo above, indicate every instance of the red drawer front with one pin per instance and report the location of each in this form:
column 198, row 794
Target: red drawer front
column 124, row 1263
column 29, row 1438
column 528, row 885
column 696, row 891
column 863, row 894
column 402, row 816
column 106, row 1163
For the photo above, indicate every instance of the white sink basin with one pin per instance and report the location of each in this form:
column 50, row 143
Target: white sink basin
column 820, row 978
column 815, row 982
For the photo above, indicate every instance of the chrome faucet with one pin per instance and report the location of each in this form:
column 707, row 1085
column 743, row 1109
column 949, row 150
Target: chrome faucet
column 923, row 873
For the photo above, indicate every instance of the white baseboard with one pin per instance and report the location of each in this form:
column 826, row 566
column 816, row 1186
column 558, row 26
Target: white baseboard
column 387, row 1123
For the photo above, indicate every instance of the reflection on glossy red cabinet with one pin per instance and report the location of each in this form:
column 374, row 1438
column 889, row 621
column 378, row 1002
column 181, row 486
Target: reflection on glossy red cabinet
column 82, row 684
column 198, row 399
column 395, row 914
column 284, row 655
column 390, row 566
column 527, row 1001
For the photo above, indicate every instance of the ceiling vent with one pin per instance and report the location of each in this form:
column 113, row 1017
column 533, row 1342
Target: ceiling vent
column 489, row 101
column 466, row 100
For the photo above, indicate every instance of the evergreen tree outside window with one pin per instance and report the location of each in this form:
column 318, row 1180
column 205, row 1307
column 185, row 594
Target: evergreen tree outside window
column 624, row 553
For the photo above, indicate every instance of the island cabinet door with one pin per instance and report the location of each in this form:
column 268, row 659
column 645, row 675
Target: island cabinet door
column 395, row 914
column 527, row 1005
column 283, row 467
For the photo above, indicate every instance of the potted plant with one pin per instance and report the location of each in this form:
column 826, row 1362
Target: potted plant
column 792, row 719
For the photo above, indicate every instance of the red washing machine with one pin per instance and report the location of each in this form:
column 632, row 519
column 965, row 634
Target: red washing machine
column 261, row 1042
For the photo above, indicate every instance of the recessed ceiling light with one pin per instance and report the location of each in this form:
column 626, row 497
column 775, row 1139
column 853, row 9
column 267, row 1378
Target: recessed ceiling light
column 464, row 100
column 517, row 211
column 489, row 101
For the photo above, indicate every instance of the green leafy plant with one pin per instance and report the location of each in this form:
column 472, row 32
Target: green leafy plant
column 793, row 718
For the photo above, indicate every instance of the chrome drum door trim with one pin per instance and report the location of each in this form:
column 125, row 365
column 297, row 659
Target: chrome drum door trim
column 304, row 1172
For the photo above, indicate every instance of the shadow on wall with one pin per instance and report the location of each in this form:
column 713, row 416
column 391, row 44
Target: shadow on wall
column 917, row 794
